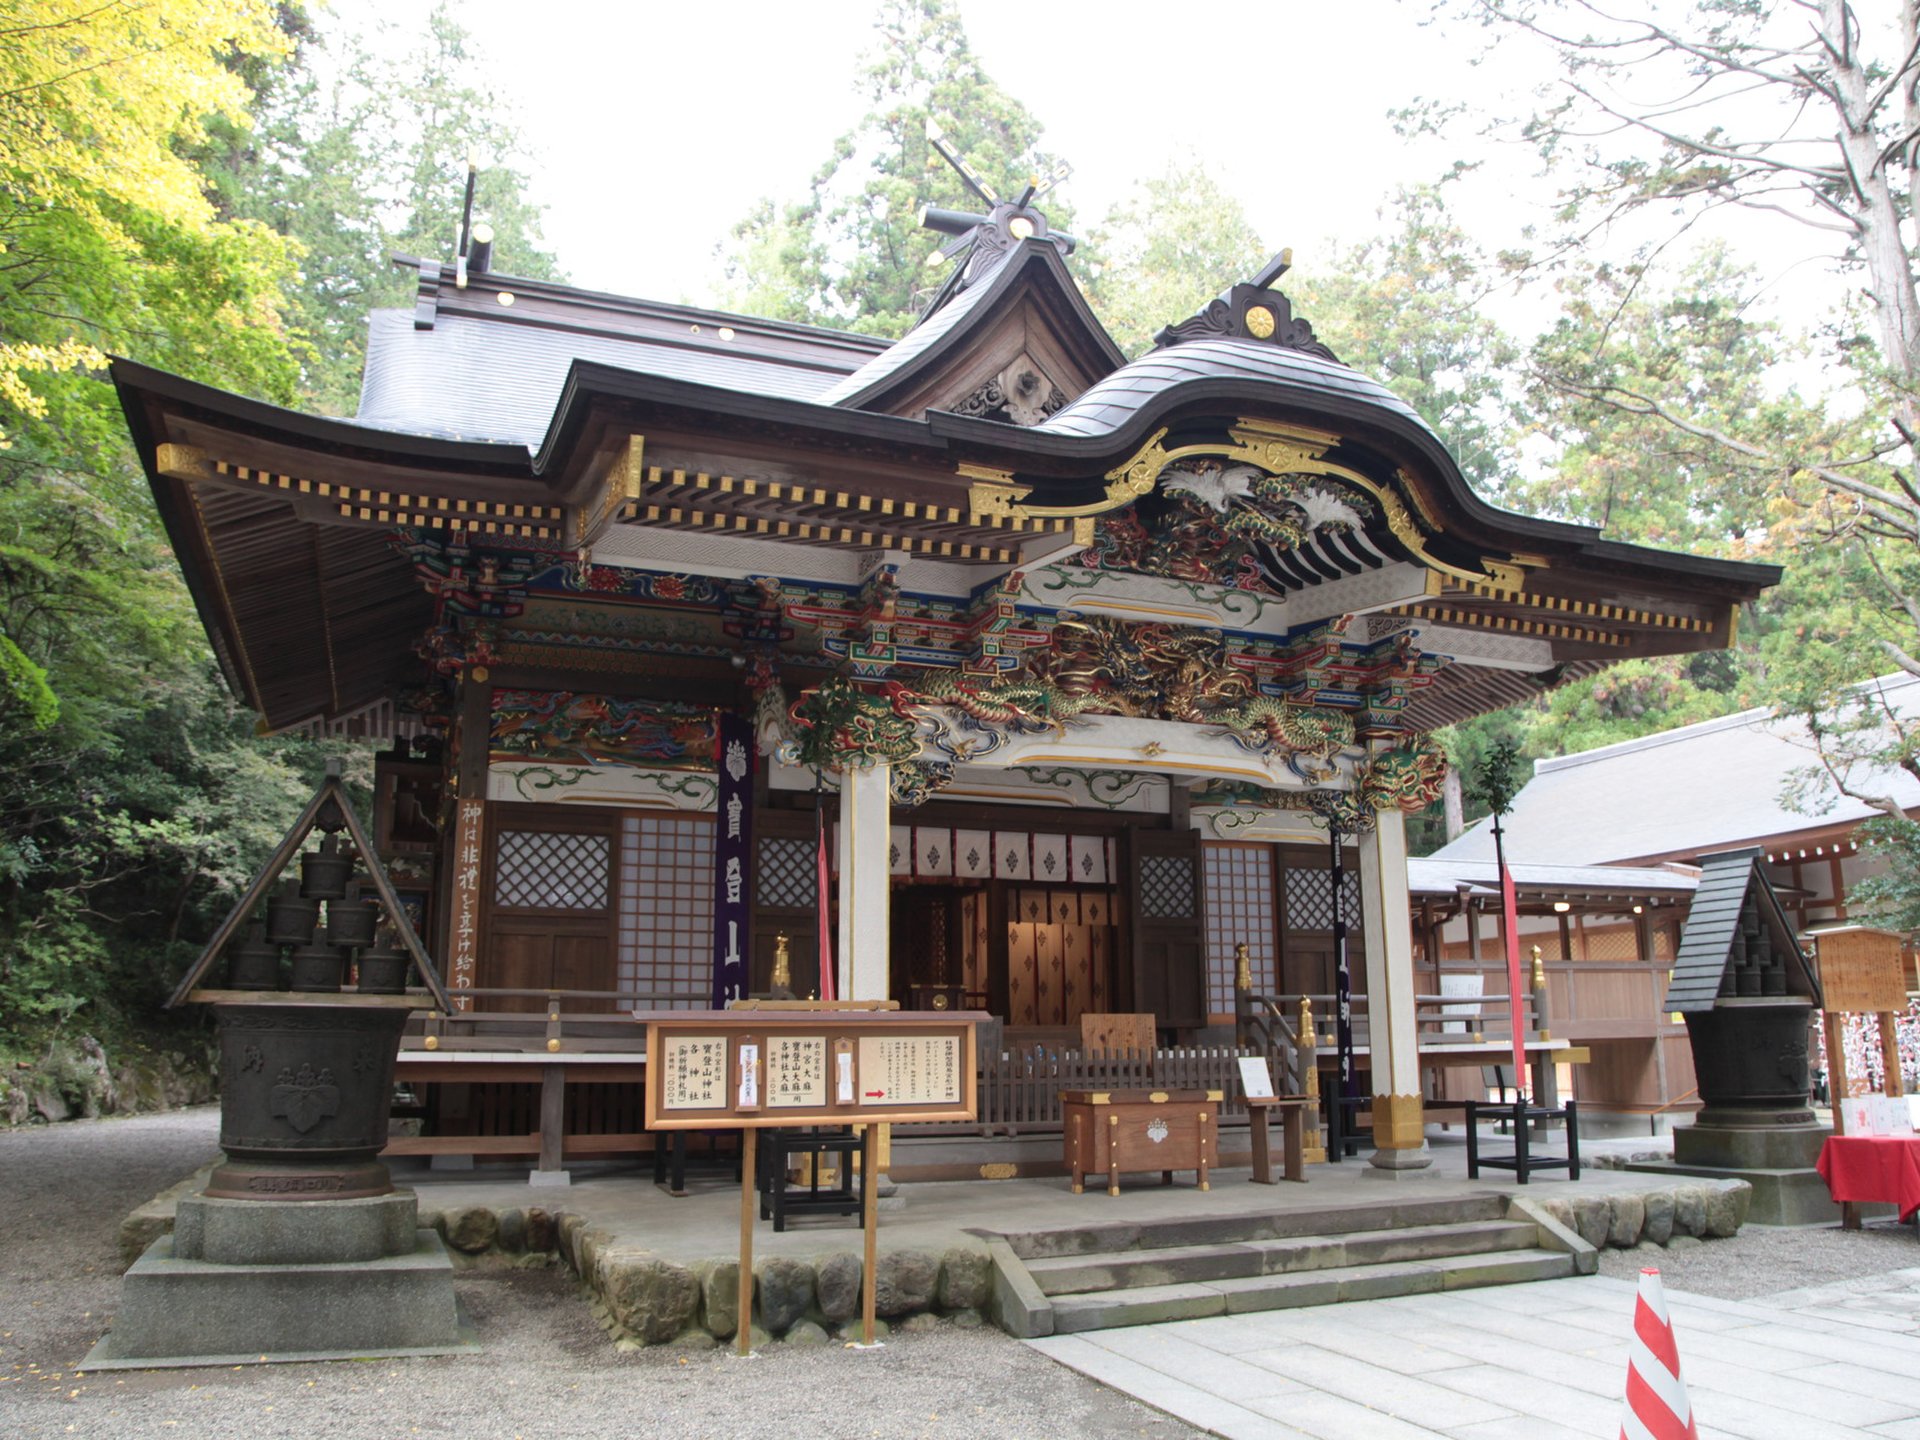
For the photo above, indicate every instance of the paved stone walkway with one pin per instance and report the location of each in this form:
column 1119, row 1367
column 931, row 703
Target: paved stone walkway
column 1546, row 1361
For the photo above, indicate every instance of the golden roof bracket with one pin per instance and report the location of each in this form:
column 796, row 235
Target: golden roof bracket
column 587, row 521
column 182, row 462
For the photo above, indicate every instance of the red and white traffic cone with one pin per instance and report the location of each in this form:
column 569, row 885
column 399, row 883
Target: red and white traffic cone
column 1657, row 1404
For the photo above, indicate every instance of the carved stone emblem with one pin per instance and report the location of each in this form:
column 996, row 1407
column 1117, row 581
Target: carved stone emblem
column 305, row 1099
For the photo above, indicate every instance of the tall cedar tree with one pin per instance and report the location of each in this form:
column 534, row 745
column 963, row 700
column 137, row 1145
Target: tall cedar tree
column 851, row 252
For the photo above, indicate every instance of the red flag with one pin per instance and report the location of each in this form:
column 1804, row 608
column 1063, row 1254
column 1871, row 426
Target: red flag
column 822, row 899
column 1510, row 915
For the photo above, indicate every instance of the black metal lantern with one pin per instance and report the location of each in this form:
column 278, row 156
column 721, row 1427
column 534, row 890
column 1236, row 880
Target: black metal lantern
column 253, row 964
column 383, row 969
column 324, row 872
column 351, row 923
column 318, row 969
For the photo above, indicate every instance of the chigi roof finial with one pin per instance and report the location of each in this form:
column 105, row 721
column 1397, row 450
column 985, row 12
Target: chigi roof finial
column 981, row 241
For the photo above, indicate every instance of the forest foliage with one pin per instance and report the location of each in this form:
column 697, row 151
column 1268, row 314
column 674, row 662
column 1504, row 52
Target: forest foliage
column 216, row 187
column 213, row 189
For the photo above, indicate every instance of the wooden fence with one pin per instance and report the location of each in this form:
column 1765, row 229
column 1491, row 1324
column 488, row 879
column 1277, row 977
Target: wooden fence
column 1020, row 1090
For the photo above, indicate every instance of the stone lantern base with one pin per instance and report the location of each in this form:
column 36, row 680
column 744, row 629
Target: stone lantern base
column 244, row 1281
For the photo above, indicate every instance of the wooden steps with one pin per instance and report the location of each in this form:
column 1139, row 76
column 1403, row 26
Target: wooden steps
column 1112, row 1275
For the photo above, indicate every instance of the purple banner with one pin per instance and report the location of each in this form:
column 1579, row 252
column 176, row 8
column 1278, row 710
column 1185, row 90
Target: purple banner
column 732, row 852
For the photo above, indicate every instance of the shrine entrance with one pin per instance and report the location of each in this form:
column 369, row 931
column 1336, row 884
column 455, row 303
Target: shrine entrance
column 1038, row 957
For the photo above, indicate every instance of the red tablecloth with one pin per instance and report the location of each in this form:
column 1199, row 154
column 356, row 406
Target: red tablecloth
column 1873, row 1167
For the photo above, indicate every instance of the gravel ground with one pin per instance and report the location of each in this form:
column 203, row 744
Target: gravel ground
column 548, row 1373
column 1761, row 1260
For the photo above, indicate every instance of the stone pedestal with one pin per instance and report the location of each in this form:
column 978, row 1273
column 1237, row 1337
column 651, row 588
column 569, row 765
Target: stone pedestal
column 1777, row 1160
column 254, row 1280
column 1757, row 1125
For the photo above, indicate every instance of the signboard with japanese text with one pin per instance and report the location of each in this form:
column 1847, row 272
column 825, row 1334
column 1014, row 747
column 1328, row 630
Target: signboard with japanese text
column 756, row 1068
column 732, row 845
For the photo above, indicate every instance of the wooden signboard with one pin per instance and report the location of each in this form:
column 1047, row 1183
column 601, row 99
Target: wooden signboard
column 723, row 1069
column 759, row 1068
column 1860, row 969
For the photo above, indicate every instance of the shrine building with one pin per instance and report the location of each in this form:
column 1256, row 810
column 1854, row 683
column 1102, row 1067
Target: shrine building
column 1091, row 666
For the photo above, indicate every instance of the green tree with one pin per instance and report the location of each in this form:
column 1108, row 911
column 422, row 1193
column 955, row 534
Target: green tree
column 1806, row 113
column 1404, row 306
column 361, row 153
column 130, row 791
column 1174, row 243
column 851, row 253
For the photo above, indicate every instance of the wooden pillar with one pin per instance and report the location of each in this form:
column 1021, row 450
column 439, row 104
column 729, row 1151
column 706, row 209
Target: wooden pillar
column 1896, row 1083
column 1837, row 1084
column 1399, row 1128
column 862, row 844
column 474, row 732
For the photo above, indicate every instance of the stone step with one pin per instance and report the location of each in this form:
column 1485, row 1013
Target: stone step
column 1148, row 1305
column 1179, row 1264
column 1100, row 1238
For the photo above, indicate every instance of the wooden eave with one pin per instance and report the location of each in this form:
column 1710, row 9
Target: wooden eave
column 282, row 521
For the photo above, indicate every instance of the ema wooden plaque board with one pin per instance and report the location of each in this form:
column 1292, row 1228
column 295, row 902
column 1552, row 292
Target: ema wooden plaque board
column 1860, row 969
column 719, row 1069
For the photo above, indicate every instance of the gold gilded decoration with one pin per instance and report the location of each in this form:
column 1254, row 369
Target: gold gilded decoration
column 1158, row 1097
column 553, row 1046
column 782, row 964
column 433, row 1042
column 1259, row 322
column 1399, row 1122
column 182, row 462
column 993, row 494
column 1135, row 478
column 1001, row 1170
column 1243, row 968
column 1307, row 1037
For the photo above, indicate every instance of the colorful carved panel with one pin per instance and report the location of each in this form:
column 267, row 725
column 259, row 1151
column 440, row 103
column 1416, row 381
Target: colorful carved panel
column 1223, row 523
column 599, row 730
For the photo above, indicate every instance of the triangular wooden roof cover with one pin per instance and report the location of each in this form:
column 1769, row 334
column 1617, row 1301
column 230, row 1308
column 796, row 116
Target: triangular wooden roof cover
column 1727, row 881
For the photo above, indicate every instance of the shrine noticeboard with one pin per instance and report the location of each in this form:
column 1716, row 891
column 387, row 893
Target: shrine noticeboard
column 1861, row 969
column 727, row 1069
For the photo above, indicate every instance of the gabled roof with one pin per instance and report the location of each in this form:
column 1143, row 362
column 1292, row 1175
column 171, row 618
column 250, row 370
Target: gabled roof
column 1685, row 792
column 1031, row 276
column 1732, row 884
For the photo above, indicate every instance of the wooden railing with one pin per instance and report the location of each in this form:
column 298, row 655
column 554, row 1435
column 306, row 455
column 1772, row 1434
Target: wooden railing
column 1020, row 1090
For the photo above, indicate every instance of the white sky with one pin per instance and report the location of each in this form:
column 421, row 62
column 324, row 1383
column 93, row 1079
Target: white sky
column 657, row 124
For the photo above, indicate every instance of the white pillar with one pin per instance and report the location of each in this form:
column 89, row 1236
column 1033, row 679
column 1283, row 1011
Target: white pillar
column 1399, row 1128
column 865, row 803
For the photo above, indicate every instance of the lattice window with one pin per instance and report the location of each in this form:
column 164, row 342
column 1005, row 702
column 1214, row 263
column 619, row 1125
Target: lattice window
column 1166, row 887
column 1609, row 937
column 787, row 873
column 665, row 946
column 1239, row 907
column 550, row 870
column 1310, row 899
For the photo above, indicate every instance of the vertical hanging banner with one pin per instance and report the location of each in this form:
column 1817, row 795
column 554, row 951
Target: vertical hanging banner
column 732, row 847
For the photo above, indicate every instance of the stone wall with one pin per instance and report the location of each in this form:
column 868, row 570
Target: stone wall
column 642, row 1298
column 1704, row 1209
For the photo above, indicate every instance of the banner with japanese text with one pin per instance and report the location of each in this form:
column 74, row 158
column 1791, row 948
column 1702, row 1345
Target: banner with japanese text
column 732, row 849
